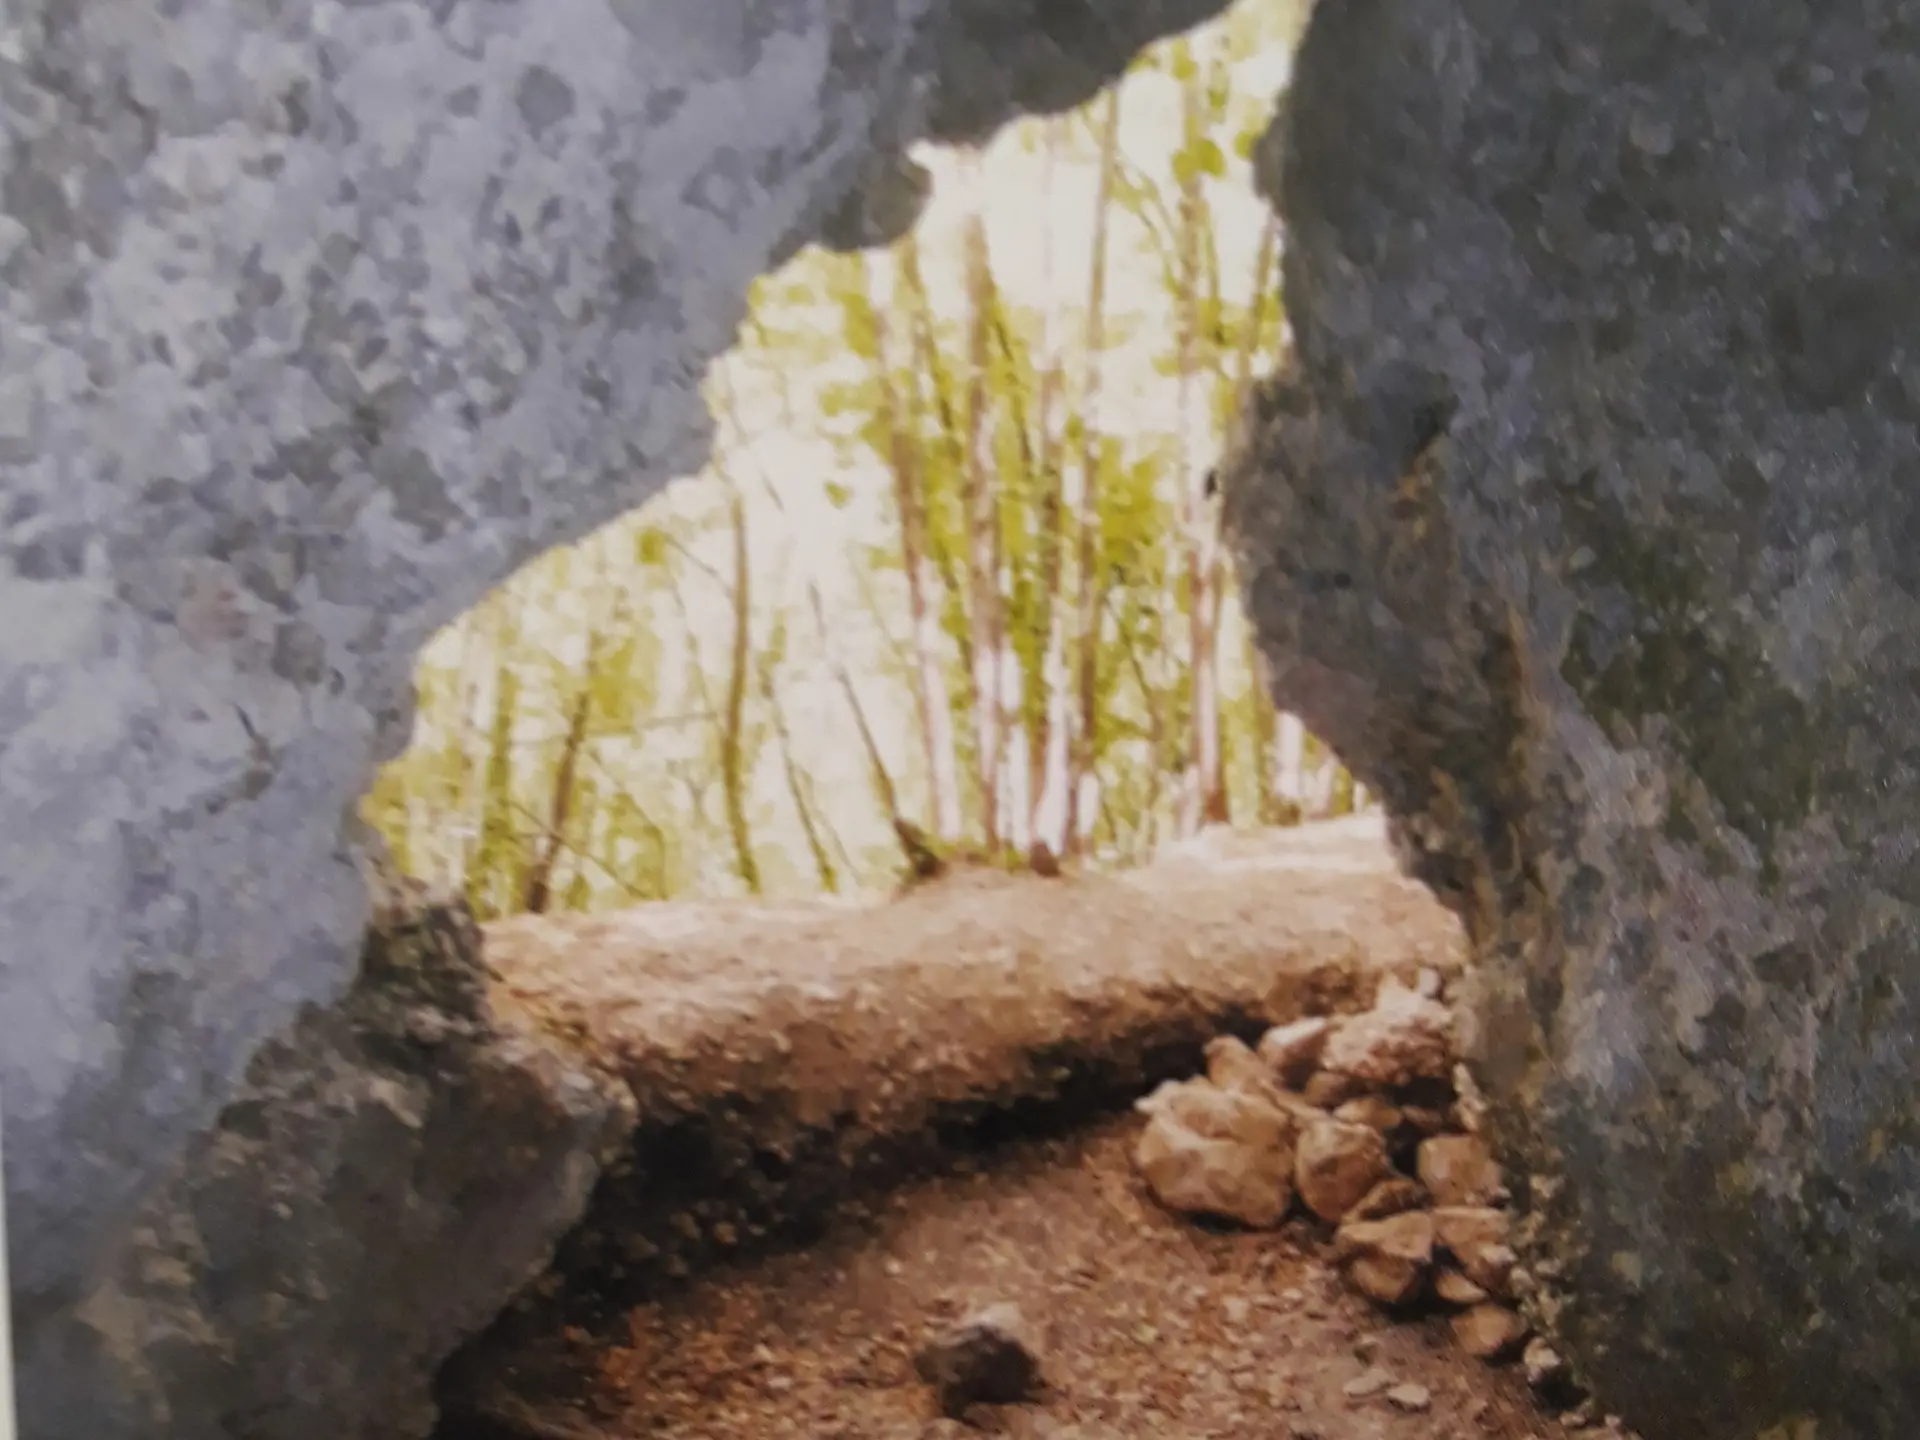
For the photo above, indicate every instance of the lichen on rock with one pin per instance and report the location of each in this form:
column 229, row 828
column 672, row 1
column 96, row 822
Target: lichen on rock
column 1581, row 524
column 319, row 321
column 392, row 1172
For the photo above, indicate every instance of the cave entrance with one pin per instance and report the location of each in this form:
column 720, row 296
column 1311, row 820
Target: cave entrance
column 954, row 570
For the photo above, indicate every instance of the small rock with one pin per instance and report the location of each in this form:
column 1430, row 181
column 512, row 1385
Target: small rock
column 1456, row 1289
column 1393, row 1196
column 1159, row 1097
column 1404, row 1038
column 1208, row 1151
column 1471, row 1104
column 1488, row 1332
column 1372, row 1382
column 1476, row 1236
column 1460, row 1170
column 1584, row 1416
column 1387, row 1260
column 1376, row 1112
column 1427, row 984
column 986, row 1359
column 1328, row 1089
column 1232, row 1065
column 1425, row 1119
column 1411, row 1398
column 1336, row 1164
column 1292, row 1051
column 1543, row 1365
column 1236, row 1311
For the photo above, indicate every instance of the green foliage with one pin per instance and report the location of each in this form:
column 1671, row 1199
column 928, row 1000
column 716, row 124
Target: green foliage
column 872, row 356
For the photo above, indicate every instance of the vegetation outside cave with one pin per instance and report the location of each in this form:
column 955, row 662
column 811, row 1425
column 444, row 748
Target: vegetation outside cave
column 956, row 561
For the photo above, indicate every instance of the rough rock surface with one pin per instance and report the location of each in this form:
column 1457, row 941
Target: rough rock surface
column 392, row 1172
column 319, row 319
column 988, row 1358
column 1586, row 524
column 1222, row 1153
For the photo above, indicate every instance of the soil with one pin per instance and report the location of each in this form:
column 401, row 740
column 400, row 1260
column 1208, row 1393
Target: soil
column 764, row 1023
column 1152, row 1326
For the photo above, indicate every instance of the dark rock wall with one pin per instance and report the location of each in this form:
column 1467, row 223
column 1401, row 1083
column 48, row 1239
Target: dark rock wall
column 1586, row 523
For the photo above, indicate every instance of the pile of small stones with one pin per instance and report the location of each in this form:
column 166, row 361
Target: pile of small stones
column 1367, row 1123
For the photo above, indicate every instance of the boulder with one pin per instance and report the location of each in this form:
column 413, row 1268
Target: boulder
column 1404, row 1038
column 1293, row 1050
column 1459, row 1170
column 1387, row 1260
column 1336, row 1165
column 1455, row 1288
column 1582, row 523
column 1476, row 1236
column 1392, row 1196
column 391, row 1173
column 1488, row 1332
column 1208, row 1151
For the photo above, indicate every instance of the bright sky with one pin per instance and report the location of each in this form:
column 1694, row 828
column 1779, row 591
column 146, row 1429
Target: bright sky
column 1039, row 215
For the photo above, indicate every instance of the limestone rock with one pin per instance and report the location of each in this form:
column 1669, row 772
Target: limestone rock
column 1488, row 1332
column 1208, row 1151
column 1375, row 1112
column 1456, row 1288
column 1392, row 1196
column 1329, row 1089
column 1232, row 1065
column 1544, row 1367
column 321, row 321
column 988, row 1358
column 1336, row 1164
column 1405, row 1037
column 1577, row 524
column 1387, row 1260
column 1368, row 1383
column 1459, row 1170
column 1410, row 1398
column 1476, row 1237
column 1293, row 1050
column 393, row 1171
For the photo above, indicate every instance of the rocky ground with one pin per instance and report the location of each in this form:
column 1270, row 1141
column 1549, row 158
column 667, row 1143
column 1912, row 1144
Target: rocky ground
column 1306, row 1242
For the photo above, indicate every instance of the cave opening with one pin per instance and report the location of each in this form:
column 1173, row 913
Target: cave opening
column 953, row 581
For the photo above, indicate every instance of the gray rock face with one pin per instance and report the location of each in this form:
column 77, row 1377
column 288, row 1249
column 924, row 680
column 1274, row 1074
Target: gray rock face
column 318, row 320
column 393, row 1170
column 1587, row 525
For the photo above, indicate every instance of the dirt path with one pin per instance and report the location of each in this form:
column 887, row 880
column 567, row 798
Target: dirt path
column 1152, row 1326
column 777, row 1055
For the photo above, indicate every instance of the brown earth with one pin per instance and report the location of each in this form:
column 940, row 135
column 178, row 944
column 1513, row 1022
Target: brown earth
column 781, row 1057
column 1152, row 1326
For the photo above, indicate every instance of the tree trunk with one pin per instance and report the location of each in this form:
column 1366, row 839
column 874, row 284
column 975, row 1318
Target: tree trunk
column 1205, row 799
column 983, row 523
column 733, row 777
column 812, row 824
column 539, row 888
column 1080, row 790
column 934, row 706
column 1051, row 770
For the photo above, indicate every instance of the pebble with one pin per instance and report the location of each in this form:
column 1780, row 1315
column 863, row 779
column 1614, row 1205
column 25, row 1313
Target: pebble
column 986, row 1359
column 1411, row 1398
column 1368, row 1384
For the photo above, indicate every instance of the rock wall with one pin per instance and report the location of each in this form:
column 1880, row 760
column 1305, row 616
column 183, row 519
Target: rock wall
column 391, row 1171
column 318, row 320
column 1587, row 524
